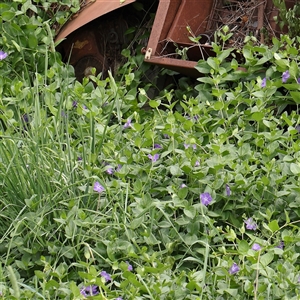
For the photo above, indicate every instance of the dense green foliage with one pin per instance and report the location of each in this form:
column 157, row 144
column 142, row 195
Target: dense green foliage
column 196, row 198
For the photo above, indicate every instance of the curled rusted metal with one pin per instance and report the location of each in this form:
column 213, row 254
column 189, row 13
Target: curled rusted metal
column 90, row 11
column 182, row 33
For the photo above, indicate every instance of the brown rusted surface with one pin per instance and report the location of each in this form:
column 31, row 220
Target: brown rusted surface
column 97, row 45
column 92, row 10
column 177, row 21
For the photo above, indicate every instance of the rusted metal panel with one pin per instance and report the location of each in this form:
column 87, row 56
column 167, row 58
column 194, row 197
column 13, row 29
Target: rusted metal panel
column 177, row 21
column 193, row 14
column 92, row 10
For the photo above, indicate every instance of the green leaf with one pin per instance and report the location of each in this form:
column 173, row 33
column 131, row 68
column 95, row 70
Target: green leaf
column 267, row 258
column 8, row 15
column 295, row 96
column 155, row 103
column 294, row 69
column 273, row 225
column 32, row 41
column 257, row 116
column 295, row 168
column 175, row 170
column 190, row 212
column 243, row 247
column 203, row 67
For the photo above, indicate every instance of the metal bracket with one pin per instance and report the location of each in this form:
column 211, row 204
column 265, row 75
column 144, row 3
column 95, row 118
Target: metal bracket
column 148, row 53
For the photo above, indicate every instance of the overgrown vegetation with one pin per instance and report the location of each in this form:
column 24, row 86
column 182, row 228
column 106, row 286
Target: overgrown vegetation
column 197, row 198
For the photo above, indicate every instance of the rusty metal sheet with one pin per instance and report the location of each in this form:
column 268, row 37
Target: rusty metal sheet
column 193, row 14
column 92, row 10
column 176, row 21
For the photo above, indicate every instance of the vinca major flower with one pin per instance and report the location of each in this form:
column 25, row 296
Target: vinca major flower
column 234, row 269
column 256, row 247
column 250, row 224
column 91, row 290
column 264, row 82
column 106, row 276
column 127, row 124
column 98, row 187
column 205, row 198
column 3, row 55
column 285, row 76
column 154, row 157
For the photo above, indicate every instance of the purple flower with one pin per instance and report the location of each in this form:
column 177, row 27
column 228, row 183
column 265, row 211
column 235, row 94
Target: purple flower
column 25, row 118
column 297, row 128
column 74, row 104
column 98, row 187
column 106, row 276
column 119, row 298
column 285, row 76
column 3, row 55
column 264, row 82
column 205, row 198
column 228, row 191
column 234, row 269
column 127, row 124
column 79, row 158
column 281, row 245
column 166, row 136
column 250, row 224
column 154, row 157
column 182, row 185
column 194, row 146
column 119, row 167
column 110, row 171
column 256, row 247
column 298, row 80
column 157, row 146
column 129, row 266
column 186, row 146
column 91, row 290
column 197, row 163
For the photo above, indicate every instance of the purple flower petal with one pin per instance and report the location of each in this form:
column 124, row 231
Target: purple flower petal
column 183, row 185
column 197, row 163
column 228, row 191
column 186, row 146
column 157, row 146
column 106, row 276
column 281, row 245
column 91, row 290
column 127, row 124
column 250, row 224
column 205, row 198
column 154, row 157
column 110, row 171
column 130, row 267
column 98, row 187
column 234, row 269
column 285, row 76
column 256, row 247
column 264, row 82
column 3, row 55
